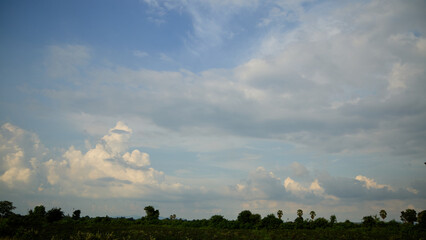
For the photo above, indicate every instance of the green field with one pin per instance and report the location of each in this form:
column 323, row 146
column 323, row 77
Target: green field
column 127, row 229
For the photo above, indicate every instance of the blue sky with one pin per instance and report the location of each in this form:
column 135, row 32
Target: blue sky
column 210, row 107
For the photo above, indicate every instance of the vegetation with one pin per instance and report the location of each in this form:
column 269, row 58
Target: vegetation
column 54, row 224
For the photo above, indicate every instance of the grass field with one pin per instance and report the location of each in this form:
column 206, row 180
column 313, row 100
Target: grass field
column 57, row 231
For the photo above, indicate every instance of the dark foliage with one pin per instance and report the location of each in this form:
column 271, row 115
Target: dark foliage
column 320, row 223
column 76, row 215
column 6, row 208
column 271, row 222
column 247, row 220
column 151, row 213
column 421, row 219
column 39, row 224
column 54, row 215
column 368, row 222
column 409, row 216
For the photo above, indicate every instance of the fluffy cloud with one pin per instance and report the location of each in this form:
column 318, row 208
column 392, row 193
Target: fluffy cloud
column 362, row 188
column 264, row 185
column 21, row 153
column 106, row 170
column 370, row 183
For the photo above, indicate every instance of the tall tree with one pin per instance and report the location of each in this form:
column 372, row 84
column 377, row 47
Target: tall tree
column 76, row 214
column 151, row 213
column 421, row 219
column 409, row 216
column 280, row 214
column 313, row 214
column 271, row 222
column 247, row 219
column 383, row 214
column 333, row 220
column 54, row 214
column 299, row 213
column 39, row 211
column 368, row 221
column 6, row 208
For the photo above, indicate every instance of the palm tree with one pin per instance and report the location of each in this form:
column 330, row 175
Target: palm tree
column 313, row 214
column 299, row 212
column 280, row 214
column 383, row 214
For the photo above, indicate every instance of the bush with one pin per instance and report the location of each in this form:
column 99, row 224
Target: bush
column 320, row 223
column 54, row 215
column 271, row 222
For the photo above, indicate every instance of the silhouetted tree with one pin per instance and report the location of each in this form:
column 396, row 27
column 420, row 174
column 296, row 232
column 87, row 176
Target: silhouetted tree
column 271, row 222
column 217, row 220
column 409, row 216
column 333, row 220
column 54, row 214
column 151, row 213
column 421, row 219
column 247, row 219
column 320, row 223
column 368, row 221
column 280, row 214
column 313, row 214
column 383, row 214
column 6, row 208
column 299, row 213
column 39, row 211
column 76, row 214
column 173, row 217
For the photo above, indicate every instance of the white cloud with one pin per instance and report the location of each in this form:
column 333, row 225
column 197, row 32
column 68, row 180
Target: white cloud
column 303, row 191
column 137, row 158
column 21, row 153
column 15, row 175
column 107, row 169
column 370, row 183
column 117, row 139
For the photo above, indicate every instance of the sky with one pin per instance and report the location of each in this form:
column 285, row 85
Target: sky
column 206, row 107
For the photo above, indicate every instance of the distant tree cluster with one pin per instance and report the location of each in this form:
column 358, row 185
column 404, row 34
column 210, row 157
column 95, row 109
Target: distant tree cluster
column 38, row 219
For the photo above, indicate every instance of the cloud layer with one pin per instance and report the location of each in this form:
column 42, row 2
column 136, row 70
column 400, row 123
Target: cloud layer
column 109, row 171
column 261, row 105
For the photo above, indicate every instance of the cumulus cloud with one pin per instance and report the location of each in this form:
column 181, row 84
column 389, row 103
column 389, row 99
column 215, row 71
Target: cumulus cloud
column 105, row 170
column 21, row 153
column 362, row 188
column 264, row 185
column 110, row 170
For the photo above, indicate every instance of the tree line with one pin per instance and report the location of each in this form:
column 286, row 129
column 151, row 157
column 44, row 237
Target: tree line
column 38, row 218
